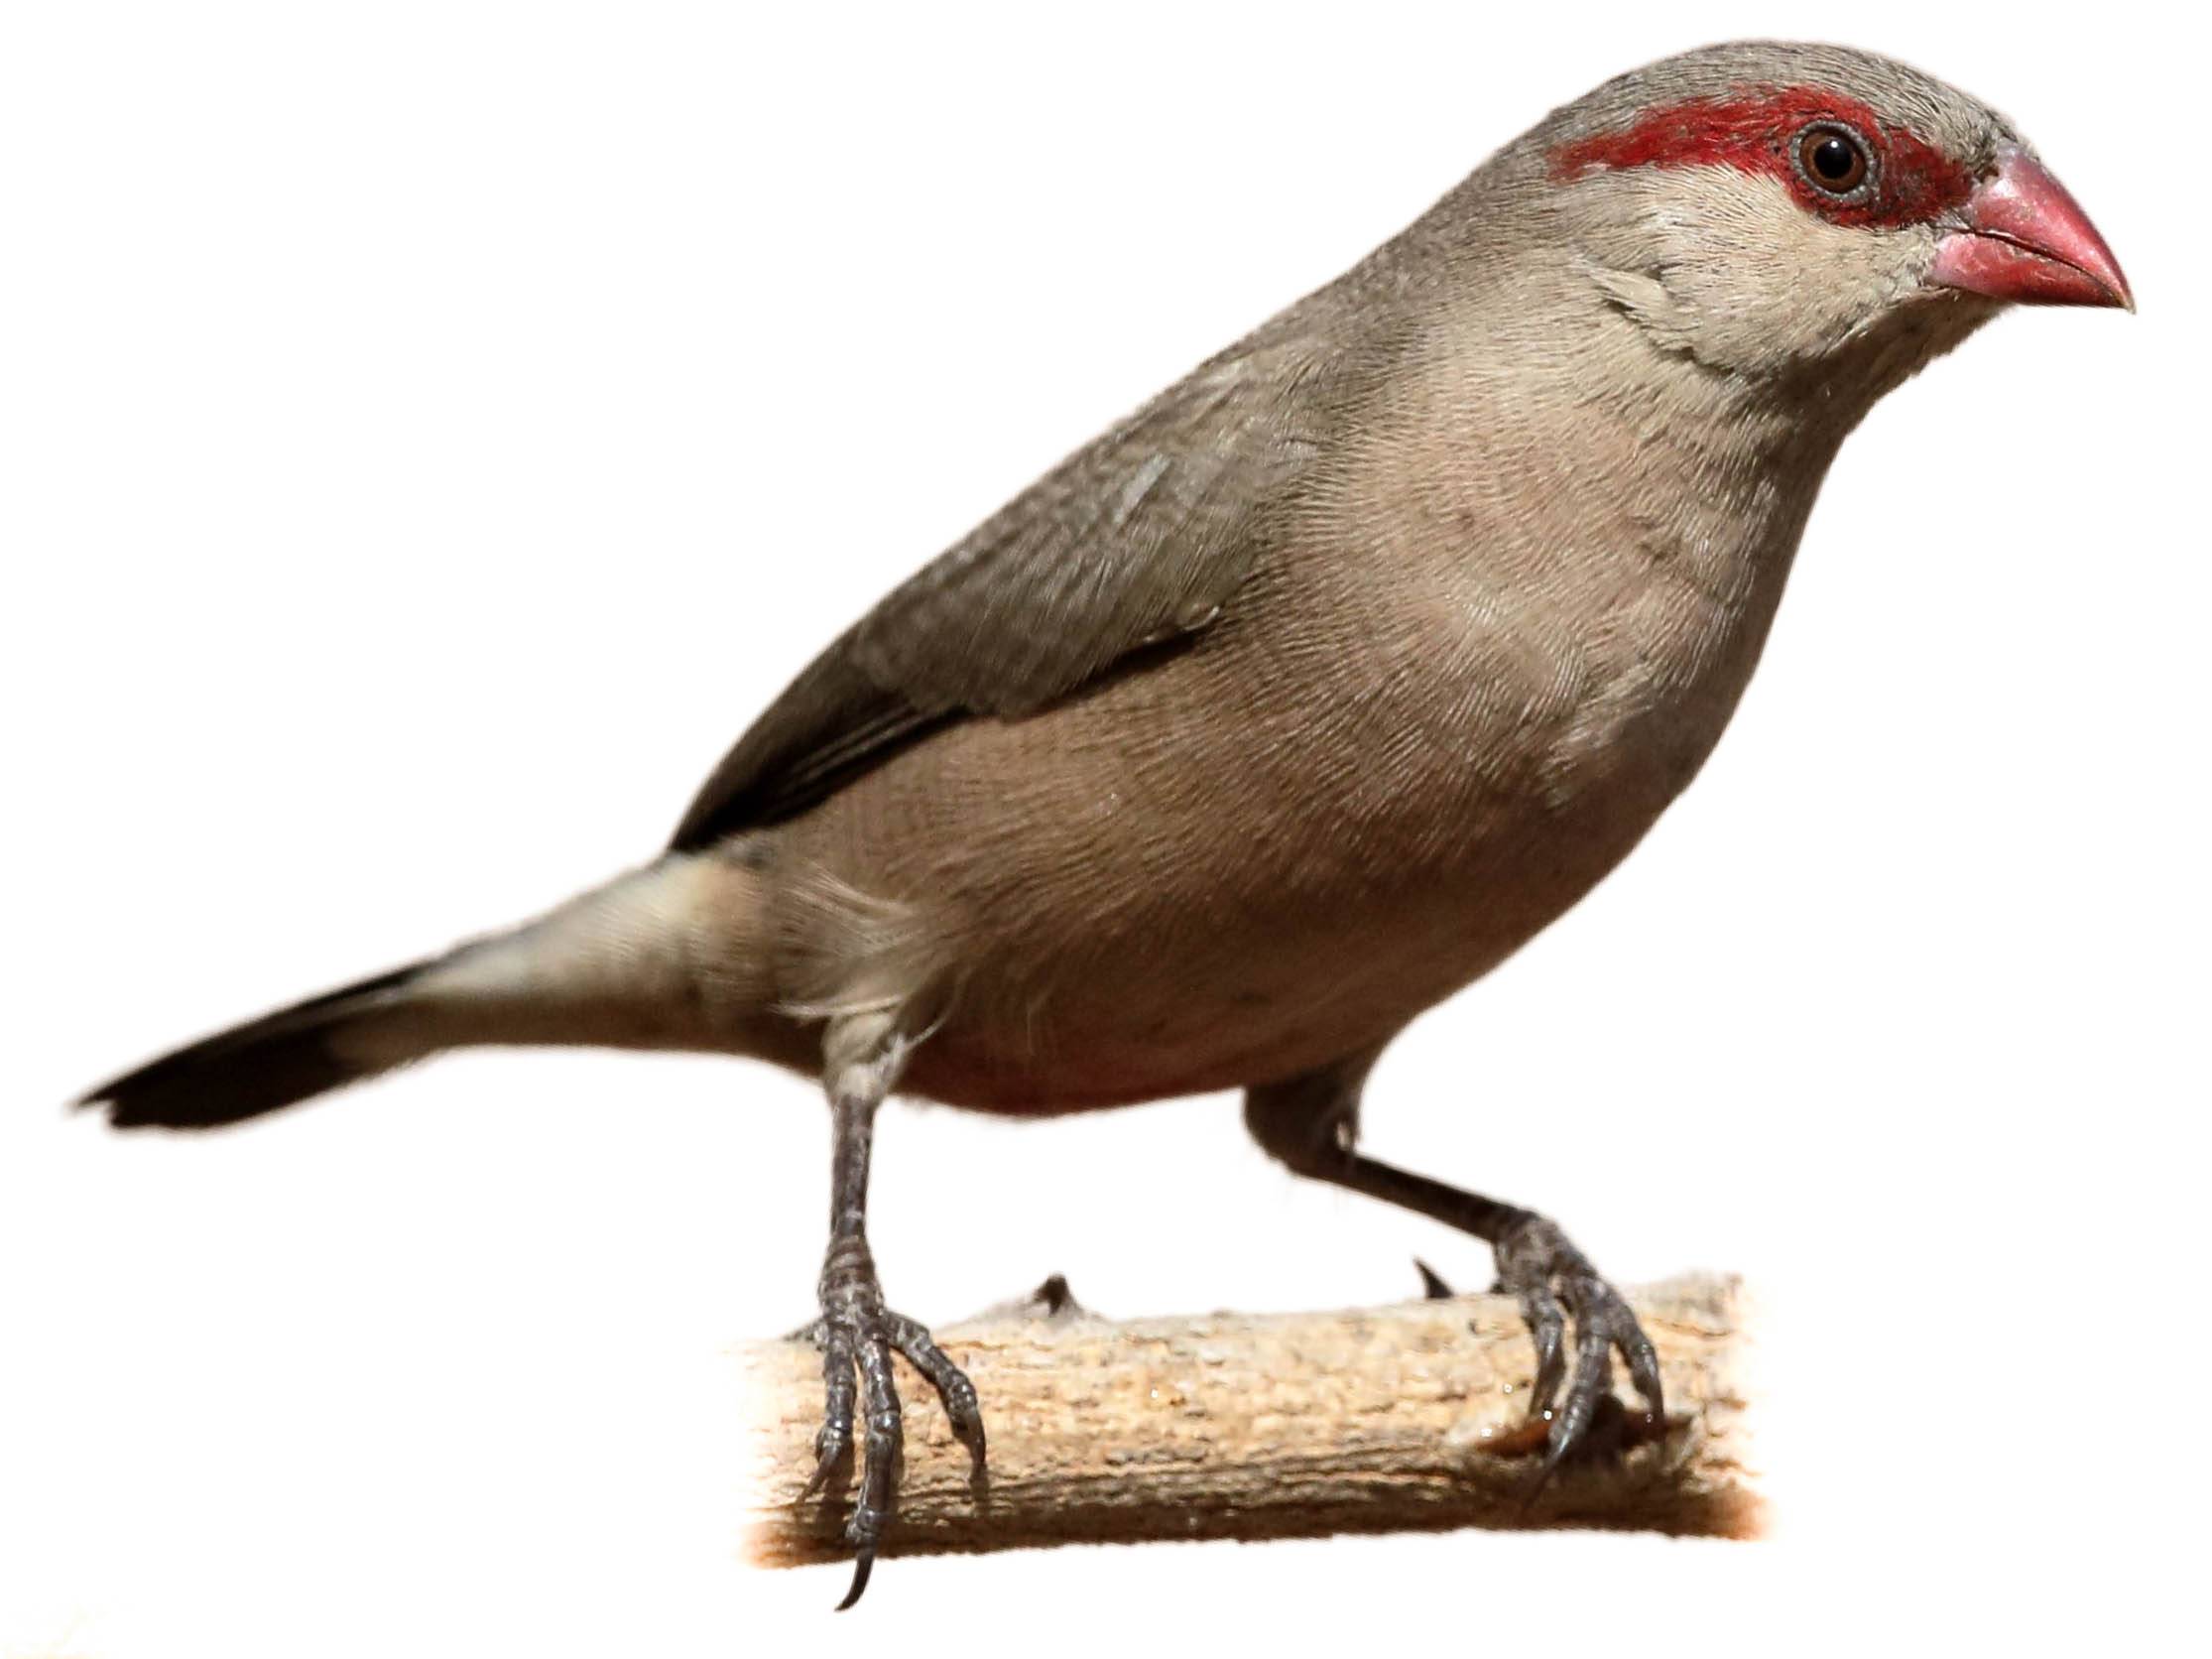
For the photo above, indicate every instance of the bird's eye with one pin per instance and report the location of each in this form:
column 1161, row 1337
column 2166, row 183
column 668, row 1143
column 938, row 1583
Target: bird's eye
column 1832, row 158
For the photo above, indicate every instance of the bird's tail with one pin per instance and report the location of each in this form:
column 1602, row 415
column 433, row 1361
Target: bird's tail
column 621, row 967
column 292, row 1054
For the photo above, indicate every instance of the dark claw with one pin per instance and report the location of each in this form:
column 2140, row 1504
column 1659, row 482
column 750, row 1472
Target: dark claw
column 1537, row 1263
column 957, row 1394
column 833, row 1457
column 863, row 1563
column 882, row 1448
column 833, row 1441
column 1593, row 1374
column 1548, row 1328
column 1432, row 1286
column 858, row 1336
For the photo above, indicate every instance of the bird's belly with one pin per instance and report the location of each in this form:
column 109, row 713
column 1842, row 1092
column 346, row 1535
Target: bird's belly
column 1125, row 903
column 1227, row 965
column 1146, row 1024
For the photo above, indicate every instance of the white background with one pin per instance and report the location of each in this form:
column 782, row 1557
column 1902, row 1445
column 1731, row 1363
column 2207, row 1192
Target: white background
column 432, row 432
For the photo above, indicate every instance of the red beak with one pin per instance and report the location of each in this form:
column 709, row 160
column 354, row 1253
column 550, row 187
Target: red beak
column 2027, row 240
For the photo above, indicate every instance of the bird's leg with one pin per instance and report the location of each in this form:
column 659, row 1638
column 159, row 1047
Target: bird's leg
column 856, row 1332
column 1311, row 1123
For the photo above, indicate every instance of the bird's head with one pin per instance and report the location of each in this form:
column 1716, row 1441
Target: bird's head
column 1773, row 209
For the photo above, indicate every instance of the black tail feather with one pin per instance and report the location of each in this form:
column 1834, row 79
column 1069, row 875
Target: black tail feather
column 252, row 1069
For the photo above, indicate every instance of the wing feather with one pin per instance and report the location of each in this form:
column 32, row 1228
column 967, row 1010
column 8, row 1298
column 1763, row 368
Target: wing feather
column 1140, row 537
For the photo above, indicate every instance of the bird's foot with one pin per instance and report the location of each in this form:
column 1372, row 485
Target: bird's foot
column 1555, row 1282
column 857, row 1336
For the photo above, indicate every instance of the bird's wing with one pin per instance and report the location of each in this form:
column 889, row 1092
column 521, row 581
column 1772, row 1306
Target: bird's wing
column 1138, row 538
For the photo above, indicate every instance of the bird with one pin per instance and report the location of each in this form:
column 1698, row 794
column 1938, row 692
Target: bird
column 1292, row 703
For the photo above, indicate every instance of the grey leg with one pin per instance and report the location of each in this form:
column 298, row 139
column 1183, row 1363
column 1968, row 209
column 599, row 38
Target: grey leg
column 1311, row 1123
column 857, row 1333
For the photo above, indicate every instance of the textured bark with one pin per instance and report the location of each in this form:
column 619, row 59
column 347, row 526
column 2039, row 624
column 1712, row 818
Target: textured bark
column 1237, row 1426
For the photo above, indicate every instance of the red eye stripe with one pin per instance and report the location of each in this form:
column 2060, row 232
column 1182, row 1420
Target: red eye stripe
column 1753, row 133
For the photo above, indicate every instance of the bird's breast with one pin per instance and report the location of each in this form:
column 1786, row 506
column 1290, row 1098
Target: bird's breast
column 1427, row 726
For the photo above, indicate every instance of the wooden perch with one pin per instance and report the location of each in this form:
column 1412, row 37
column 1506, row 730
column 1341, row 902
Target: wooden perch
column 1236, row 1426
